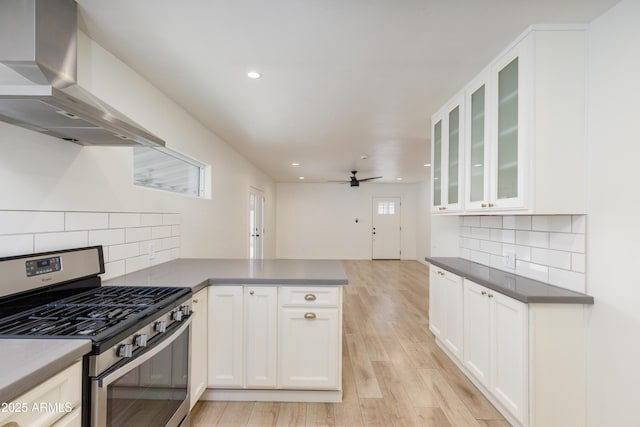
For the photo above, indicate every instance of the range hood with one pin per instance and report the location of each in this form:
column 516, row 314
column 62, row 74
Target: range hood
column 38, row 78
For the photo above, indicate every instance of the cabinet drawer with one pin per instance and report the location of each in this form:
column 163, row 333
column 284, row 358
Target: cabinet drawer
column 60, row 394
column 309, row 296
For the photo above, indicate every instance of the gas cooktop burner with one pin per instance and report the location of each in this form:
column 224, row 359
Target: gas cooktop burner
column 90, row 314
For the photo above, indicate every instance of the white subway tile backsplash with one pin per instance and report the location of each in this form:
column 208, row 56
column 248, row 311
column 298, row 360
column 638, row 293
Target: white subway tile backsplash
column 136, row 263
column 66, row 240
column 481, row 257
column 481, row 233
column 171, row 219
column 148, row 220
column 471, row 221
column 532, row 271
column 19, row 244
column 579, row 224
column 22, row 222
column 567, row 279
column 559, row 223
column 160, row 232
column 516, row 222
column 124, row 220
column 171, row 242
column 138, row 234
column 491, row 221
column 494, row 248
column 86, row 221
column 578, row 263
column 567, row 242
column 546, row 247
column 113, row 269
column 127, row 250
column 125, row 242
column 551, row 258
column 532, row 238
column 106, row 237
column 505, row 236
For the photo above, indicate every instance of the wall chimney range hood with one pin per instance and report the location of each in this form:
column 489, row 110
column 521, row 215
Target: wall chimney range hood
column 38, row 76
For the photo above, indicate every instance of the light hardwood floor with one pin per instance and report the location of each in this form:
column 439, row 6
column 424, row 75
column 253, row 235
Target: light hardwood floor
column 394, row 374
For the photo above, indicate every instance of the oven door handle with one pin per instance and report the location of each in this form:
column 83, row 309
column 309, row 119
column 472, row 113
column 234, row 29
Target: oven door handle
column 139, row 360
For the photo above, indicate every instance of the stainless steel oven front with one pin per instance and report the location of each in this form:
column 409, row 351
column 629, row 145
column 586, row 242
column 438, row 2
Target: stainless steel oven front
column 150, row 389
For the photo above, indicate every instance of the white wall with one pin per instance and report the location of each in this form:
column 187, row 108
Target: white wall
column 613, row 275
column 317, row 221
column 40, row 173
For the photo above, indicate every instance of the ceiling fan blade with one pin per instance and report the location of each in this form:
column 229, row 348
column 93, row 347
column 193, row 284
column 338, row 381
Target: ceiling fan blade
column 370, row 178
column 341, row 182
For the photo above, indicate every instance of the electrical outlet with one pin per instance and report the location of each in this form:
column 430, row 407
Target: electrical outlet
column 509, row 259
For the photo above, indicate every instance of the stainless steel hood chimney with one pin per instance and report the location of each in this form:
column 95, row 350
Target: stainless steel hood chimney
column 38, row 74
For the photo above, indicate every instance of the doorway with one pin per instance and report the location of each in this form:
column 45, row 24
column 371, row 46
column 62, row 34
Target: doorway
column 256, row 223
column 386, row 228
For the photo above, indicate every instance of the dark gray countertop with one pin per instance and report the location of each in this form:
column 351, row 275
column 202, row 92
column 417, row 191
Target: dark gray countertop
column 198, row 273
column 29, row 362
column 518, row 287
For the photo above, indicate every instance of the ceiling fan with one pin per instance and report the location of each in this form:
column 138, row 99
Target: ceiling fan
column 355, row 182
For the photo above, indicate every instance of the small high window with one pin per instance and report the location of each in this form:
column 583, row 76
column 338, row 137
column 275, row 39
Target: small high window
column 164, row 169
column 386, row 208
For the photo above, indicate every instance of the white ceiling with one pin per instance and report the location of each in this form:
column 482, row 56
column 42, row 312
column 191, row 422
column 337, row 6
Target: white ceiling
column 341, row 78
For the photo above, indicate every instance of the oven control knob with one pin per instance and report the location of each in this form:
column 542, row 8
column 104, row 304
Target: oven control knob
column 140, row 340
column 186, row 310
column 160, row 326
column 125, row 350
column 177, row 315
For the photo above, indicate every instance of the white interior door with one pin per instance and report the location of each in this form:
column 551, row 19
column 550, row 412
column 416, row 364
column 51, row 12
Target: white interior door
column 386, row 228
column 256, row 221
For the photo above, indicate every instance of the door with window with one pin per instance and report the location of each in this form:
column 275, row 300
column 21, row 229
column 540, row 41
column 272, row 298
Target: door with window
column 386, row 230
column 256, row 221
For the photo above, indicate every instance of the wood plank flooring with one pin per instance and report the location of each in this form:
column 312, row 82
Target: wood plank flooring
column 394, row 374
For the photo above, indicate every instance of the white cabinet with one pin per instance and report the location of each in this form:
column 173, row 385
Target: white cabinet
column 63, row 390
column 495, row 345
column 242, row 337
column 447, row 152
column 226, row 337
column 199, row 340
column 261, row 316
column 523, row 130
column 275, row 338
column 445, row 309
column 310, row 338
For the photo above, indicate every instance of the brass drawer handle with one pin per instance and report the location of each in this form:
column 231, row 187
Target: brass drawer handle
column 490, row 295
column 309, row 297
column 195, row 300
column 483, row 292
column 440, row 273
column 310, row 316
column 251, row 292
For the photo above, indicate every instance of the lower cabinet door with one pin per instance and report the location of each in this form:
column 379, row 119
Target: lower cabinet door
column 226, row 337
column 309, row 348
column 509, row 354
column 261, row 329
column 437, row 302
column 476, row 331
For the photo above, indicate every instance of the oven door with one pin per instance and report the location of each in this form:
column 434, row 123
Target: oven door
column 151, row 390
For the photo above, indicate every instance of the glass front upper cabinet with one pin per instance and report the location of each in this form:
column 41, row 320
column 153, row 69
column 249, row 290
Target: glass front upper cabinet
column 477, row 164
column 507, row 167
column 437, row 164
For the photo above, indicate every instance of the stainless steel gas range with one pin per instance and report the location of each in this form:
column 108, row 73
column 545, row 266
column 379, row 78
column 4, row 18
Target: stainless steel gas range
column 137, row 373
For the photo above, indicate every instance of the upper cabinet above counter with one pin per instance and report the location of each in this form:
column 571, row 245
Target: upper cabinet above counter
column 513, row 139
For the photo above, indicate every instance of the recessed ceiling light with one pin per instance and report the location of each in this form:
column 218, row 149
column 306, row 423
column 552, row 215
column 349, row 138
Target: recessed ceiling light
column 295, row 164
column 398, row 179
column 426, row 165
column 301, row 177
column 254, row 75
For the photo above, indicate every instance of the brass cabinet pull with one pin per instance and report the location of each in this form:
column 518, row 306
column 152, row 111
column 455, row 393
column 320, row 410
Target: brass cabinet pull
column 309, row 297
column 484, row 205
column 490, row 295
column 251, row 292
column 483, row 292
column 491, row 205
column 195, row 300
column 440, row 273
column 310, row 316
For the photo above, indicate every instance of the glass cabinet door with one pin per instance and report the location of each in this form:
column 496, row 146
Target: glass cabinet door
column 437, row 164
column 477, row 163
column 507, row 155
column 453, row 185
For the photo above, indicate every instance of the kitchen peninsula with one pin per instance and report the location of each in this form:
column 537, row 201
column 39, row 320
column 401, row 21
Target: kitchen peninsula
column 264, row 329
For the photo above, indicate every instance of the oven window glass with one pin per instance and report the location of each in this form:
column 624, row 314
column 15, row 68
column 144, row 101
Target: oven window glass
column 151, row 394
